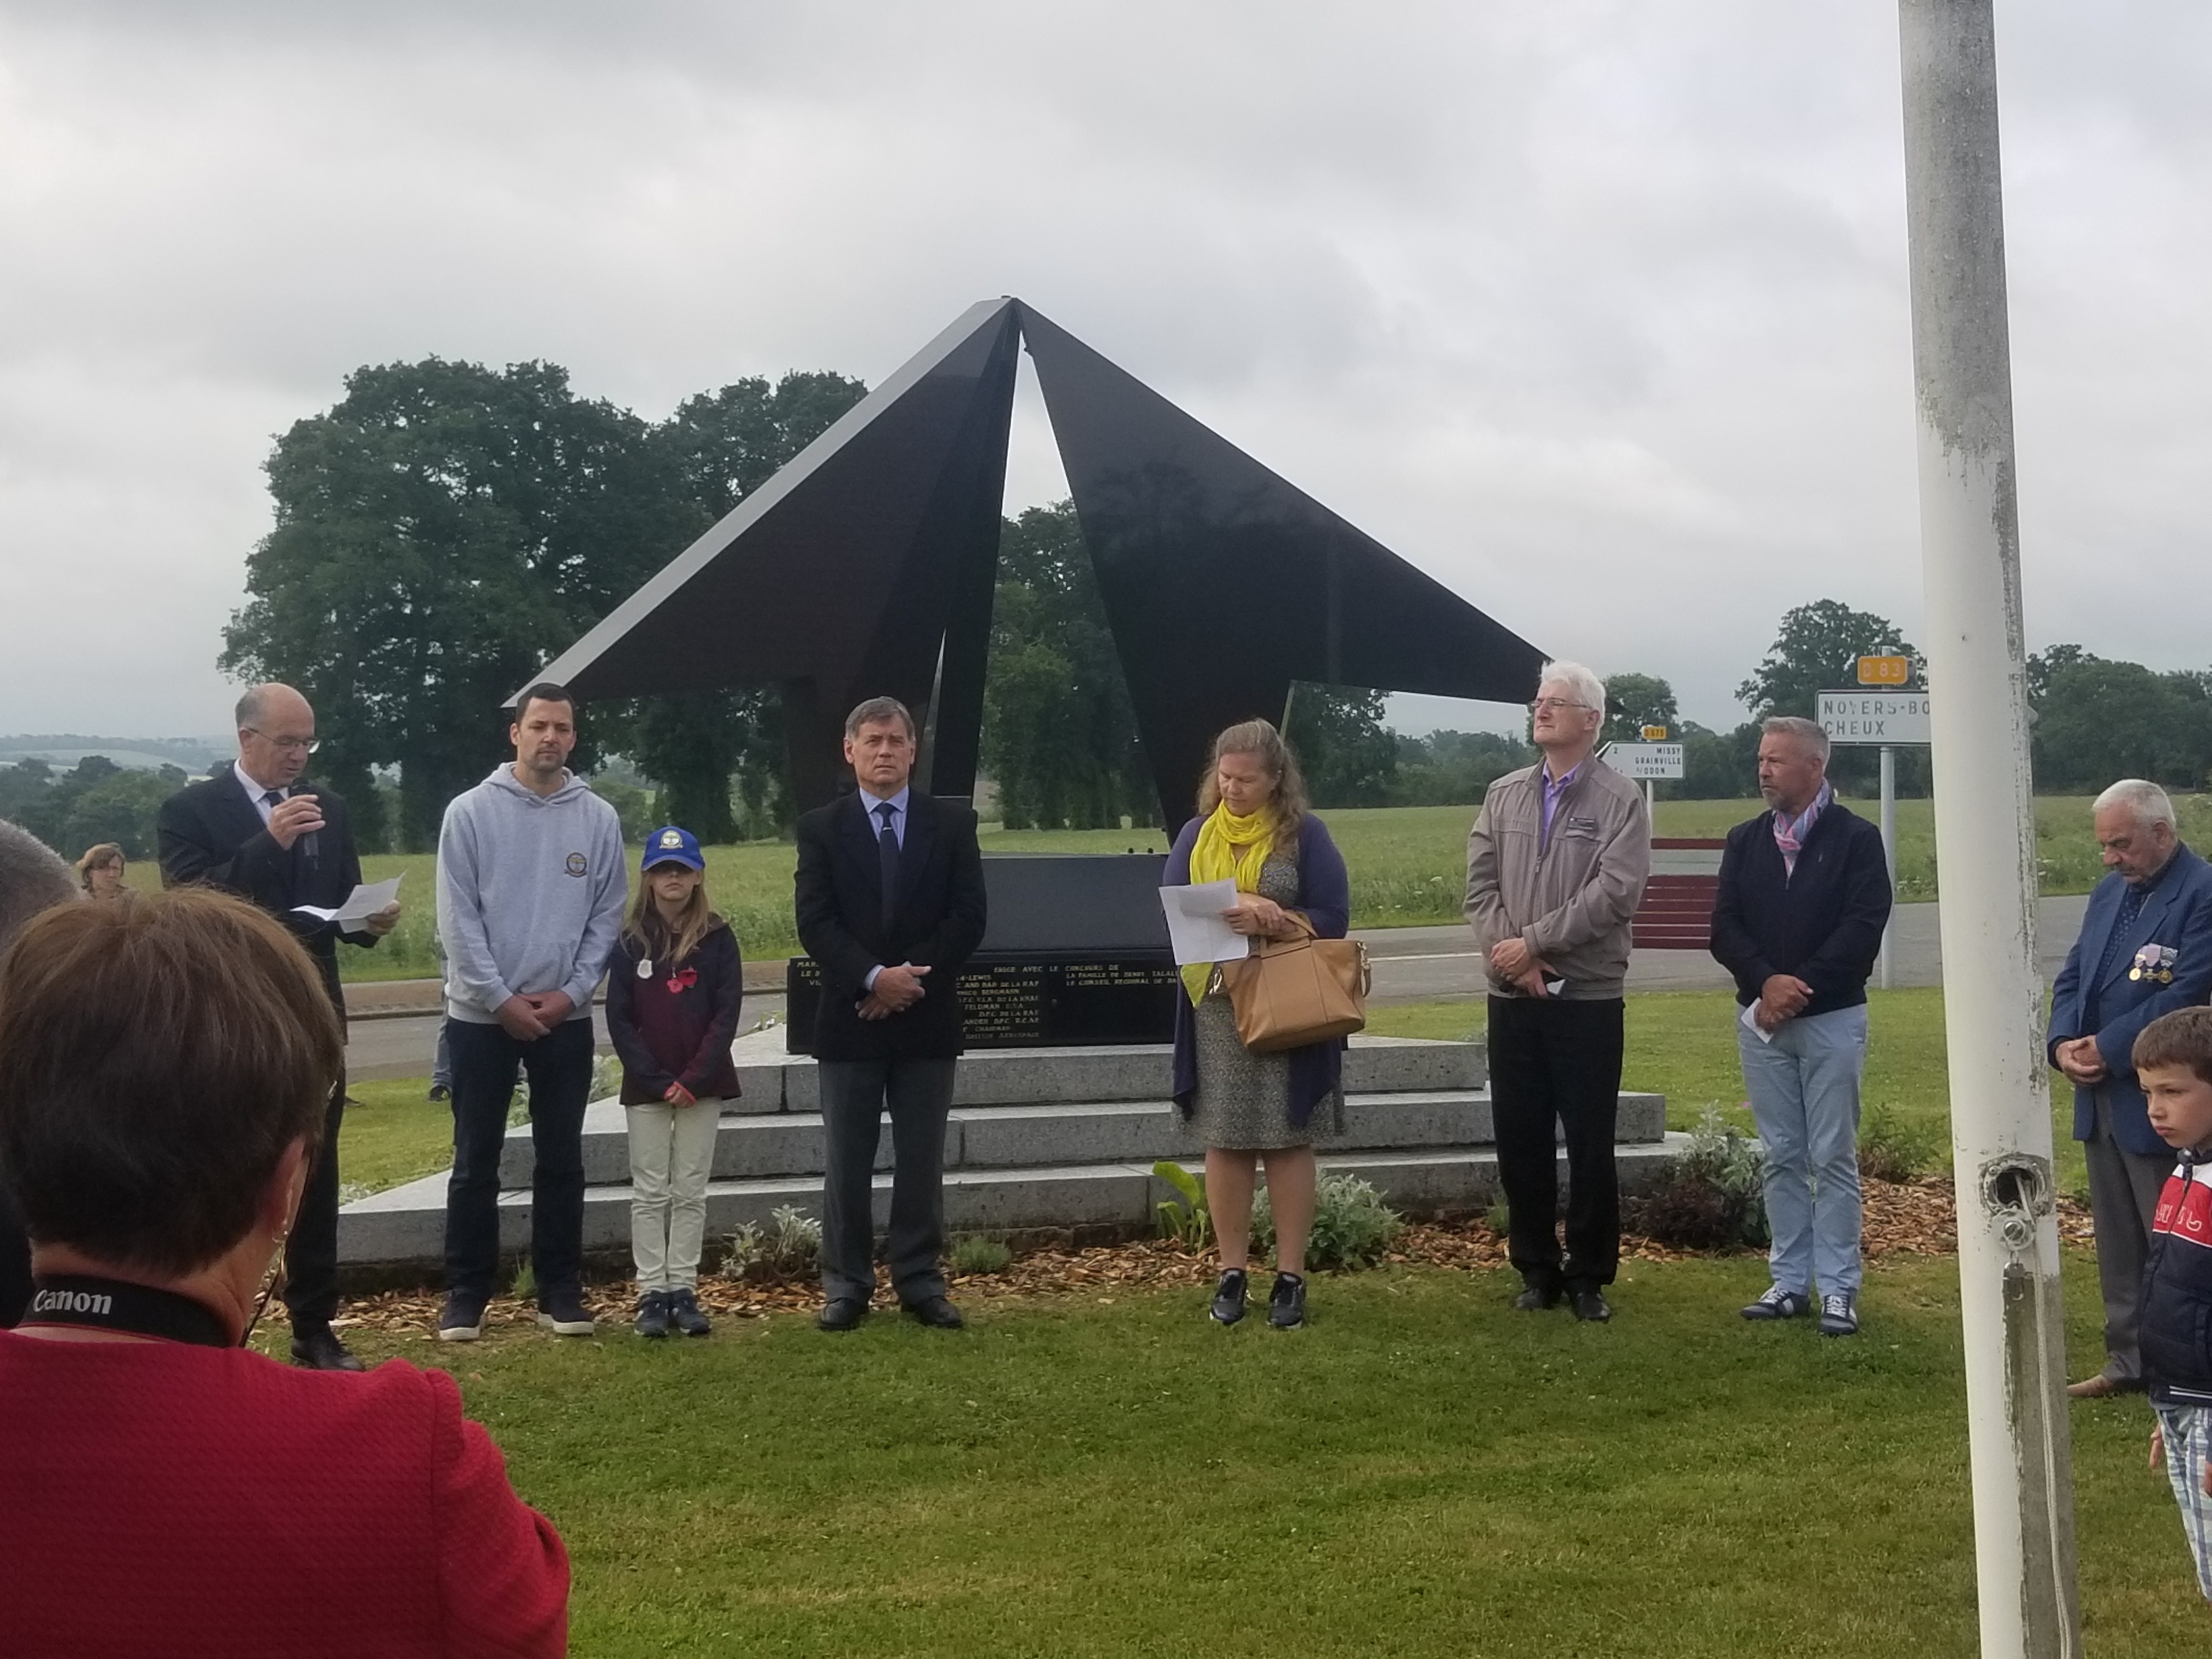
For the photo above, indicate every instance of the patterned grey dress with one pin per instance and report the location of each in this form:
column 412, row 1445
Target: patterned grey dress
column 1244, row 1099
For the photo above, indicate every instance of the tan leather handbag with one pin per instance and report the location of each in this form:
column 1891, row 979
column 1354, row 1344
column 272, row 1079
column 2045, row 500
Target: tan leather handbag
column 1290, row 993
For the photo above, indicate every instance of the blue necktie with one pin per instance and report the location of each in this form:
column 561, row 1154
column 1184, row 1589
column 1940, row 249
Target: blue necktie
column 887, row 854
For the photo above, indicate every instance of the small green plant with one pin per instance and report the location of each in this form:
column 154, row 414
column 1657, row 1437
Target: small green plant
column 1352, row 1226
column 1714, row 1198
column 606, row 1077
column 976, row 1253
column 1500, row 1219
column 790, row 1247
column 1189, row 1223
column 1890, row 1149
column 524, row 1285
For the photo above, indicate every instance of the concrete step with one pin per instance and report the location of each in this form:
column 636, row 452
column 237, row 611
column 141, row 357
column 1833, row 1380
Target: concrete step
column 772, row 1081
column 404, row 1227
column 771, row 1145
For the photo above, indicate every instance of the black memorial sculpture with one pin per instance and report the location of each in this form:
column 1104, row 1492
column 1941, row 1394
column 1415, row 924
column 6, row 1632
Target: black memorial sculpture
column 866, row 568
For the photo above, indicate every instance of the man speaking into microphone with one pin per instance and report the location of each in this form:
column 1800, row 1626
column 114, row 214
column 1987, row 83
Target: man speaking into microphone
column 257, row 830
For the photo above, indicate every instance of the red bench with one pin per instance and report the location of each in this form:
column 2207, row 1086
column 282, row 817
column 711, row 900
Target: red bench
column 1677, row 912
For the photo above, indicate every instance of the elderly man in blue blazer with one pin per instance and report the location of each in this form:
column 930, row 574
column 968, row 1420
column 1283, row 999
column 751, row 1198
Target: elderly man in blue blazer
column 2146, row 949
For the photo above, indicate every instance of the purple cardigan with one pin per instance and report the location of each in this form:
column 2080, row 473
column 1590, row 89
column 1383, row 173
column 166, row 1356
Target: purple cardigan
column 1325, row 899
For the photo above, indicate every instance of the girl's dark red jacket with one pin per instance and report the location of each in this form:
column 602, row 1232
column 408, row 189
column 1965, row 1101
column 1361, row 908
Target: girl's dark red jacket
column 676, row 1024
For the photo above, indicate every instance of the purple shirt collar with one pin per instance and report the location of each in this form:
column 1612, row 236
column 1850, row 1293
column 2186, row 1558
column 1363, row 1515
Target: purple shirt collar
column 1555, row 788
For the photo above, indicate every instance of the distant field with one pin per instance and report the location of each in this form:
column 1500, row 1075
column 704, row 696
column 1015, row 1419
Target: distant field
column 1408, row 867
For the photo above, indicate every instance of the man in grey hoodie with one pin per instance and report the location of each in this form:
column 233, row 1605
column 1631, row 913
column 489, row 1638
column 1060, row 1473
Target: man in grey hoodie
column 530, row 885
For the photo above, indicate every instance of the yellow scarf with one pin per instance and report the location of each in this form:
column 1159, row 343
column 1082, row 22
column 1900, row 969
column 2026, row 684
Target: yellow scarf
column 1227, row 846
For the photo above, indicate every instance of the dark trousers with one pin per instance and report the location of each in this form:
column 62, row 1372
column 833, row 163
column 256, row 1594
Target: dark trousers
column 855, row 1096
column 2123, row 1194
column 1555, row 1063
column 310, row 1249
column 559, row 1067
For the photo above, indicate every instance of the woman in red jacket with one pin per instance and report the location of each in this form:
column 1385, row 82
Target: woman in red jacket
column 165, row 1065
column 673, row 992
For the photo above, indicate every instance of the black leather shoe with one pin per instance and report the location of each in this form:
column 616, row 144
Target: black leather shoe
column 842, row 1313
column 937, row 1312
column 1286, row 1307
column 1228, row 1296
column 1591, row 1307
column 1536, row 1298
column 317, row 1347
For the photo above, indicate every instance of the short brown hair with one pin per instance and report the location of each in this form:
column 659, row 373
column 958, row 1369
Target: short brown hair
column 157, row 1058
column 2179, row 1040
column 1257, row 738
column 876, row 710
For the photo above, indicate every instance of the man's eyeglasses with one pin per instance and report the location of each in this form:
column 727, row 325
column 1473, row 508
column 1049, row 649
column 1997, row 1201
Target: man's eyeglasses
column 303, row 745
column 1554, row 704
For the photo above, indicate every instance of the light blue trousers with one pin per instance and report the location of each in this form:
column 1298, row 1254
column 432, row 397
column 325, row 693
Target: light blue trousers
column 1804, row 1088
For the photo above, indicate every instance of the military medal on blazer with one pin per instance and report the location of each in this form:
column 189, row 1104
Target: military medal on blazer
column 2155, row 962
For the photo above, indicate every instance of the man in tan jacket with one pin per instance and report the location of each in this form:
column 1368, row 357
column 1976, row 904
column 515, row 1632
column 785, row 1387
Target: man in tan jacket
column 1556, row 866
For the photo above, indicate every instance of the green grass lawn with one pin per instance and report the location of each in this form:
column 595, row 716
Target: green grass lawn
column 393, row 1133
column 1409, row 868
column 1421, row 1472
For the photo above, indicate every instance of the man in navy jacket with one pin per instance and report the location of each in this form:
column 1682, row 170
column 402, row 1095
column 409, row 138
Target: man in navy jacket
column 2145, row 949
column 1804, row 896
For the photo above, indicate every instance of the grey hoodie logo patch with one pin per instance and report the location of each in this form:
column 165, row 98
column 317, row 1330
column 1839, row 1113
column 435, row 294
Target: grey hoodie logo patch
column 578, row 863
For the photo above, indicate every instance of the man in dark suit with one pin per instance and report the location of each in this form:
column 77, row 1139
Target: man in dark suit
column 1804, row 896
column 2145, row 949
column 890, row 902
column 256, row 830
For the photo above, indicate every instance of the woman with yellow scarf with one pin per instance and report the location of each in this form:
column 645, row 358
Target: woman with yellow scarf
column 1257, row 1109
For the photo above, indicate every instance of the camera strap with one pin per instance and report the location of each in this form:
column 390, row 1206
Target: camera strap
column 114, row 1305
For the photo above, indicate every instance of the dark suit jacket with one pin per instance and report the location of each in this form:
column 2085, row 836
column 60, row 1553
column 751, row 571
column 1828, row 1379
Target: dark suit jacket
column 1823, row 924
column 2177, row 913
column 211, row 833
column 937, row 924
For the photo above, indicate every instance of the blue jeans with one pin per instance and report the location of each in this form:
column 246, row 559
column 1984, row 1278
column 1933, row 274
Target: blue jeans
column 1804, row 1088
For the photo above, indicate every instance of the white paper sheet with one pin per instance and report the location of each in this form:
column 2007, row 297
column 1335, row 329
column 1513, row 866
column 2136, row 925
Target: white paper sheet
column 1196, row 931
column 360, row 905
column 1751, row 1023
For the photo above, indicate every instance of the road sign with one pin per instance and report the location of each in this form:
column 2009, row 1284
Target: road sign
column 1885, row 671
column 1645, row 760
column 1882, row 717
column 1655, row 734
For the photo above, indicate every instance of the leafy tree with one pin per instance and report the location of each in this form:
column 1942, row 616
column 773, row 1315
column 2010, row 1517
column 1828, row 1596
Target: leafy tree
column 1059, row 737
column 95, row 801
column 2098, row 721
column 1454, row 769
column 1817, row 649
column 438, row 531
column 1719, row 765
column 1646, row 699
column 719, row 447
column 1348, row 757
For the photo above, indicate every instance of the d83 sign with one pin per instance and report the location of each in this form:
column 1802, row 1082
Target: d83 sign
column 1891, row 717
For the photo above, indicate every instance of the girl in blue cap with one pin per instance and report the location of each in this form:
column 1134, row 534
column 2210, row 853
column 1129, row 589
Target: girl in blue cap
column 673, row 992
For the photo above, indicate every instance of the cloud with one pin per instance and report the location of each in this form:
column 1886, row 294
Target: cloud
column 1596, row 311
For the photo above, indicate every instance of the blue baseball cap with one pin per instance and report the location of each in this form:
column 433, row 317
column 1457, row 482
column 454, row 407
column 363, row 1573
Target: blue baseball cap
column 670, row 845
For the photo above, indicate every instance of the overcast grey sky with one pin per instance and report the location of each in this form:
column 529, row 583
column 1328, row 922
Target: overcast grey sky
column 1594, row 311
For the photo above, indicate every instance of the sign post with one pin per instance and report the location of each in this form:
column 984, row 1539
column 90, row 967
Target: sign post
column 1886, row 719
column 1645, row 761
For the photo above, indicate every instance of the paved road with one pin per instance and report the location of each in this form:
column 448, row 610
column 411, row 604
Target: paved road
column 1412, row 964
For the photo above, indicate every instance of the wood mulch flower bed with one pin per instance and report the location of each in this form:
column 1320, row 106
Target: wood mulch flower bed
column 1914, row 1216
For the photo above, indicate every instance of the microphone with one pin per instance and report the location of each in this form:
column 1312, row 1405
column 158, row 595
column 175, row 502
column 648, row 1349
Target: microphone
column 310, row 843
